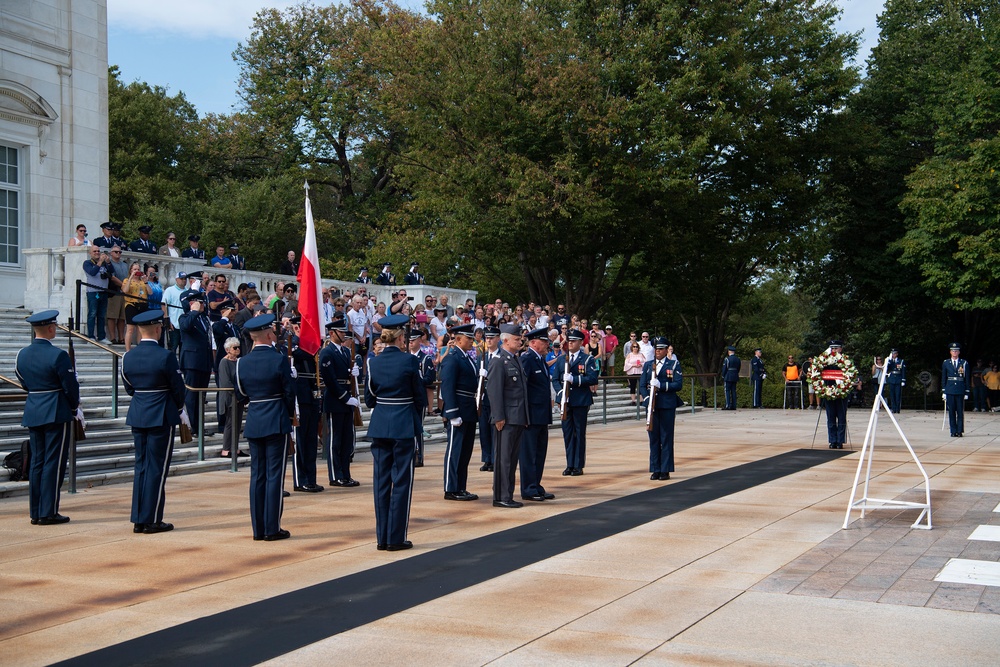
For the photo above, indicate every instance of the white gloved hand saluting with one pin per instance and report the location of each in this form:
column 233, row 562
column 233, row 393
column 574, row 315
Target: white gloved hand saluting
column 184, row 418
column 456, row 422
column 353, row 402
column 355, row 371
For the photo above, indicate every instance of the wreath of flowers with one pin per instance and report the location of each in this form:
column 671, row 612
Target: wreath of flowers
column 841, row 387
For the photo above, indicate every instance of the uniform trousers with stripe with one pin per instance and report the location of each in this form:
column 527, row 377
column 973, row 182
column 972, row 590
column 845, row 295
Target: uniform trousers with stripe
column 461, row 443
column 340, row 430
column 267, row 481
column 49, row 453
column 508, row 448
column 534, row 447
column 574, row 429
column 306, row 439
column 487, row 433
column 153, row 449
column 392, row 481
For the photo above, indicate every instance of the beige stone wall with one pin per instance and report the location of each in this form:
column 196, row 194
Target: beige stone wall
column 54, row 113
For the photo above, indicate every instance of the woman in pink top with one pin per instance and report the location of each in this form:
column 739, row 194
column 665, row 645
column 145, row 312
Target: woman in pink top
column 633, row 368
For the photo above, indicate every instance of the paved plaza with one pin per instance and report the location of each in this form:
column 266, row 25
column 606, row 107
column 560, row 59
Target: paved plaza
column 738, row 559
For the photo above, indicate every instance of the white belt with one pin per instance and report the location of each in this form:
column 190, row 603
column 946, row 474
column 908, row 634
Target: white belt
column 395, row 401
column 268, row 400
column 46, row 391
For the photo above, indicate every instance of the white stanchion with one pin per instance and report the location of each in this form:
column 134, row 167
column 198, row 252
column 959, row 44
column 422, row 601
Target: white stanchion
column 868, row 451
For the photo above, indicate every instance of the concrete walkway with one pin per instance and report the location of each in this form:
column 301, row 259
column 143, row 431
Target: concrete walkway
column 763, row 576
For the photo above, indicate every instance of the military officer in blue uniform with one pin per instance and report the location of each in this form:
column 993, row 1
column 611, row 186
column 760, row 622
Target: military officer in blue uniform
column 491, row 337
column 509, row 400
column 107, row 240
column 53, row 402
column 143, row 244
column 730, row 376
column 196, row 350
column 363, row 276
column 394, row 391
column 338, row 371
column 757, row 376
column 428, row 375
column 459, row 377
column 895, row 369
column 535, row 441
column 663, row 375
column 193, row 251
column 238, row 261
column 264, row 377
column 308, row 403
column 836, row 408
column 955, row 386
column 414, row 277
column 386, row 276
column 222, row 331
column 153, row 380
column 116, row 236
column 583, row 375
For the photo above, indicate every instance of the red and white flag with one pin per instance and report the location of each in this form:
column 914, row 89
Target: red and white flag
column 310, row 289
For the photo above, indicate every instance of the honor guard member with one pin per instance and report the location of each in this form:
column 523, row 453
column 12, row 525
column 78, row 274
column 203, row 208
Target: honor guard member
column 757, row 376
column 509, row 400
column 363, row 277
column 895, row 369
column 238, row 261
column 427, row 375
column 459, row 377
column 836, row 408
column 535, row 441
column 338, row 371
column 414, row 277
column 583, row 375
column 385, row 276
column 117, row 238
column 663, row 375
column 193, row 251
column 143, row 244
column 196, row 350
column 264, row 377
column 308, row 402
column 222, row 331
column 153, row 380
column 396, row 395
column 955, row 385
column 491, row 336
column 107, row 240
column 731, row 375
column 53, row 401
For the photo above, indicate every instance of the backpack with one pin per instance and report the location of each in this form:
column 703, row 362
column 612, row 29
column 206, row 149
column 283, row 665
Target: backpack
column 19, row 463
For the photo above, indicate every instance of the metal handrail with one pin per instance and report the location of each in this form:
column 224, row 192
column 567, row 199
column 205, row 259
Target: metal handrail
column 90, row 341
column 115, row 361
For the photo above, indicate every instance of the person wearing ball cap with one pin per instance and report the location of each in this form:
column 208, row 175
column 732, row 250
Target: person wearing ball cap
column 955, row 385
column 53, row 401
column 153, row 380
column 459, row 377
column 662, row 375
column 264, row 378
column 581, row 369
column 396, row 395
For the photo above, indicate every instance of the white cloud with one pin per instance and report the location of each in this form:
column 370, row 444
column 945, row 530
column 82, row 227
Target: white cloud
column 194, row 18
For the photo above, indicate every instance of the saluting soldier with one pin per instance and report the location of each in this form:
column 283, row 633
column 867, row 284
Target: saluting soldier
column 506, row 387
column 955, row 389
column 583, row 376
column 730, row 376
column 309, row 404
column 223, row 330
column 196, row 349
column 428, row 375
column 363, row 276
column 459, row 377
column 491, row 337
column 338, row 370
column 535, row 441
column 394, row 391
column 53, row 402
column 264, row 377
column 386, row 276
column 414, row 277
column 153, row 380
column 895, row 369
column 662, row 374
column 757, row 376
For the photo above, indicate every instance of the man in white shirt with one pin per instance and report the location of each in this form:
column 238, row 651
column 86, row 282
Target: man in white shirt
column 542, row 317
column 358, row 320
column 172, row 302
column 646, row 348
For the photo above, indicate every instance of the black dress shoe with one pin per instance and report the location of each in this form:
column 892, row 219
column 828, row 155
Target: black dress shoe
column 567, row 472
column 549, row 496
column 336, row 482
column 309, row 488
column 468, row 496
column 242, row 454
column 511, row 504
column 160, row 527
column 406, row 544
column 282, row 534
column 664, row 475
column 52, row 520
column 285, row 494
column 577, row 472
column 380, row 547
column 537, row 498
column 833, row 445
column 655, row 475
column 350, row 482
column 138, row 528
column 484, row 467
column 34, row 522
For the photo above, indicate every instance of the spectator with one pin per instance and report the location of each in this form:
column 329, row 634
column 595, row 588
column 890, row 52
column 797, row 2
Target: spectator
column 542, row 315
column 80, row 238
column 116, row 304
column 289, row 305
column 155, row 288
column 143, row 244
column 804, row 373
column 610, row 347
column 439, row 325
column 236, row 261
column 555, row 360
column 420, row 316
column 170, row 249
column 791, row 374
column 645, row 347
column 443, row 301
column 97, row 267
column 359, row 324
column 379, row 314
column 136, row 290
column 230, row 410
column 193, row 251
column 220, row 260
column 634, row 361
column 217, row 295
column 561, row 317
column 274, row 296
column 289, row 267
column 595, row 347
column 174, row 309
column 991, row 379
column 400, row 303
column 430, row 301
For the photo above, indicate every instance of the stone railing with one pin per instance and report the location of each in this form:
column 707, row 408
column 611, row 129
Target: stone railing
column 52, row 275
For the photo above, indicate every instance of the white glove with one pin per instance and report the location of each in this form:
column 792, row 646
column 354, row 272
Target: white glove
column 355, row 371
column 456, row 422
column 655, row 382
column 943, row 398
column 79, row 417
column 904, row 383
column 184, row 418
column 353, row 402
column 295, row 373
column 483, row 372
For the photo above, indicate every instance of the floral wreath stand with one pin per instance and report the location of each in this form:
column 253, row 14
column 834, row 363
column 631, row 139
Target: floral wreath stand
column 842, row 378
column 866, row 502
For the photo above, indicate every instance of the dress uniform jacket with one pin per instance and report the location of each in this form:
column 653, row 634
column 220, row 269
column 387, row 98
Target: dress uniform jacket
column 731, row 375
column 535, row 442
column 428, row 375
column 153, row 380
column 335, row 369
column 486, row 429
column 665, row 404
column 309, row 403
column 193, row 253
column 147, row 247
column 506, row 387
column 583, row 375
column 413, row 278
column 955, row 385
column 757, row 373
column 459, row 378
column 45, row 372
column 222, row 331
column 895, row 370
column 196, row 357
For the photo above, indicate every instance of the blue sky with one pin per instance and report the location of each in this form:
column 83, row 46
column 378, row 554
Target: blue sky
column 187, row 45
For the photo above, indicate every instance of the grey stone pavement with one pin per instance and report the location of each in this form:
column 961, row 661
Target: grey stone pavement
column 765, row 576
